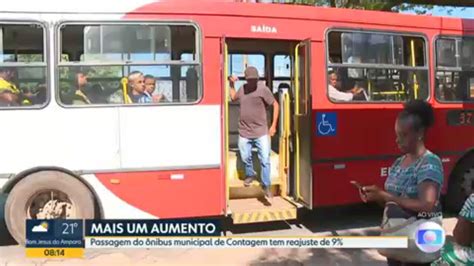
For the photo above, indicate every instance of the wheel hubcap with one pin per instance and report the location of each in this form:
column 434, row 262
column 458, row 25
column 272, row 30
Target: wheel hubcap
column 50, row 204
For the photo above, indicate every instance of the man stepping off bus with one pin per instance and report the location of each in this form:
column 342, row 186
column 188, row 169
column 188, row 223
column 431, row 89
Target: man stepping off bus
column 254, row 99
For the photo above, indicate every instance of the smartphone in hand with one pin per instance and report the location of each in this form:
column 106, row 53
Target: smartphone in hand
column 358, row 186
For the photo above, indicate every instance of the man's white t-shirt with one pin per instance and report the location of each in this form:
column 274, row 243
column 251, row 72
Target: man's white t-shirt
column 336, row 95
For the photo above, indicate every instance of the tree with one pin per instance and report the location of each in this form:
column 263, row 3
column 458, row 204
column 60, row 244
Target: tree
column 420, row 6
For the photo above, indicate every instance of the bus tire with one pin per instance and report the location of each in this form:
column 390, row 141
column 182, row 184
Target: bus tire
column 461, row 184
column 46, row 195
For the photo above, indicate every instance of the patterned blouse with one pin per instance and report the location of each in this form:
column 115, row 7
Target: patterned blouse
column 454, row 254
column 403, row 182
column 467, row 211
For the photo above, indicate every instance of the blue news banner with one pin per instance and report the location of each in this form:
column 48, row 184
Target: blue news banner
column 68, row 238
column 150, row 233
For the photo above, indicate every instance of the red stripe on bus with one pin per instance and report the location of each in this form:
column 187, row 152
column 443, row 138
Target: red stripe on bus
column 199, row 193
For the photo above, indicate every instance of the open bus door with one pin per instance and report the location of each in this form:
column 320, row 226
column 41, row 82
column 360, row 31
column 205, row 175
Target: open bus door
column 246, row 204
column 302, row 172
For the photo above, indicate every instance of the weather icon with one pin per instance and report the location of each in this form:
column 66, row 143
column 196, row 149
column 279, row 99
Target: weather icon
column 41, row 228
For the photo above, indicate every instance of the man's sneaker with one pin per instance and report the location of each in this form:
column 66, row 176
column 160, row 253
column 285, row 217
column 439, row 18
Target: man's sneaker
column 248, row 181
column 268, row 194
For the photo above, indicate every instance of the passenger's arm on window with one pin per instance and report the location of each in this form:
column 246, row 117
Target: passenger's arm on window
column 8, row 97
column 337, row 95
column 157, row 98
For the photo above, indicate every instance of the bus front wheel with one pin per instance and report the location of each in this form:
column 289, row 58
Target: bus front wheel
column 46, row 195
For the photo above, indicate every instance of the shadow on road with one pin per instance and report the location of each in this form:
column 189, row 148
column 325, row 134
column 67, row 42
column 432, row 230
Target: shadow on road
column 352, row 257
column 342, row 218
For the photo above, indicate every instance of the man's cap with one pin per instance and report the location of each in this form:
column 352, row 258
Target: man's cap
column 251, row 73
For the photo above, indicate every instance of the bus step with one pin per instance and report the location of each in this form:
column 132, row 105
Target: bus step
column 238, row 183
column 239, row 191
column 256, row 210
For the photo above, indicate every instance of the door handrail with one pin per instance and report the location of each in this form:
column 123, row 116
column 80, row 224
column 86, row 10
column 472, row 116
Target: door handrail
column 297, row 113
column 226, row 122
column 284, row 142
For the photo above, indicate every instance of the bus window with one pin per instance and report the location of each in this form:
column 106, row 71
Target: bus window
column 109, row 64
column 467, row 53
column 371, row 48
column 281, row 71
column 379, row 67
column 455, row 69
column 238, row 63
column 22, row 66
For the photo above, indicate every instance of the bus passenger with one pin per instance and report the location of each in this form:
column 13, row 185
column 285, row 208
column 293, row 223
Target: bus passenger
column 415, row 179
column 96, row 94
column 254, row 98
column 335, row 94
column 40, row 96
column 9, row 93
column 150, row 86
column 136, row 88
column 80, row 96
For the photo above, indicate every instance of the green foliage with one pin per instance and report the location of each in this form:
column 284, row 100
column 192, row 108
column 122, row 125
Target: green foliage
column 384, row 5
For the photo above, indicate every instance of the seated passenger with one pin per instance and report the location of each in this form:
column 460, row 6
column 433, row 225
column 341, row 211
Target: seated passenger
column 9, row 93
column 135, row 91
column 136, row 88
column 80, row 96
column 150, row 86
column 336, row 95
column 96, row 93
column 40, row 97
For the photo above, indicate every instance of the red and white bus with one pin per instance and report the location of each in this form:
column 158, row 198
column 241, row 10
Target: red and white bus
column 177, row 158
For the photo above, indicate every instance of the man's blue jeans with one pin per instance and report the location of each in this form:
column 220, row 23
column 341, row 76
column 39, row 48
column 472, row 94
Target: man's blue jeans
column 263, row 148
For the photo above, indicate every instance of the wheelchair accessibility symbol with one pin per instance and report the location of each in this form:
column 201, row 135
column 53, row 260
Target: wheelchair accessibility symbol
column 326, row 124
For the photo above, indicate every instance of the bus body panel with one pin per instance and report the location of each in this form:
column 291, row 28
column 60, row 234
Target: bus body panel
column 75, row 139
column 170, row 137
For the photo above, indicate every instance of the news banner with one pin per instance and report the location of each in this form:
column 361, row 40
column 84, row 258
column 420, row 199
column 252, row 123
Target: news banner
column 70, row 238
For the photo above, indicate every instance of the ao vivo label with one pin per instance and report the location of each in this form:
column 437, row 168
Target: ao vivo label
column 263, row 29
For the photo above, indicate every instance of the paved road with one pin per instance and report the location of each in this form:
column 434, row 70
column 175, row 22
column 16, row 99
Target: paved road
column 356, row 220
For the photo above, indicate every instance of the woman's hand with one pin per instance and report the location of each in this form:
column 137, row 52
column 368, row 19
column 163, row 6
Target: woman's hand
column 363, row 195
column 374, row 193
